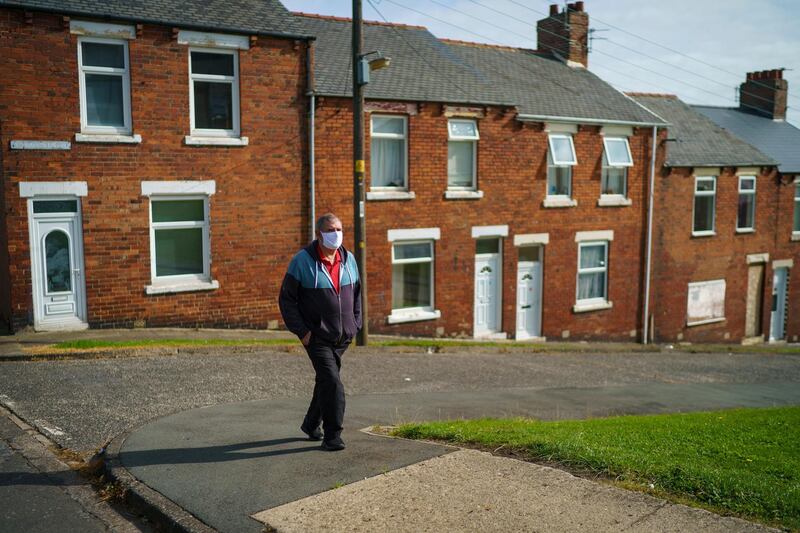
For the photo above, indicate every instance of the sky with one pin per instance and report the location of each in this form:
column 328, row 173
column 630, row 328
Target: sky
column 702, row 50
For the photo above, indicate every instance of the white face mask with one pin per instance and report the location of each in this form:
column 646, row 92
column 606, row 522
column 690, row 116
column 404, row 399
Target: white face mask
column 332, row 240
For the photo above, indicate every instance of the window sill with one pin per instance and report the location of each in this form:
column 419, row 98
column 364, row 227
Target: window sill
column 400, row 317
column 745, row 230
column 796, row 235
column 559, row 202
column 463, row 195
column 587, row 307
column 613, row 200
column 709, row 321
column 195, row 140
column 704, row 233
column 182, row 287
column 391, row 195
column 107, row 139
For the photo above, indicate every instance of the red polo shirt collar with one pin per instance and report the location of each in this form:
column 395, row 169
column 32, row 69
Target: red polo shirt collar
column 331, row 266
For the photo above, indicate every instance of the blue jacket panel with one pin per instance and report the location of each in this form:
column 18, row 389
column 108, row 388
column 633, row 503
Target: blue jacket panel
column 308, row 301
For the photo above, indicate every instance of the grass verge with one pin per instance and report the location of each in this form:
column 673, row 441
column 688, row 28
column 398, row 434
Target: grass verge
column 744, row 462
column 89, row 344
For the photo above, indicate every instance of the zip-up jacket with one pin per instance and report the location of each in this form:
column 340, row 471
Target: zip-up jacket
column 309, row 302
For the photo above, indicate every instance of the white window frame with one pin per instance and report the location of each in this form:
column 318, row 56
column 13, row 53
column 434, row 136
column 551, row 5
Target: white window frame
column 590, row 302
column 606, row 151
column 558, row 163
column 125, row 73
column 423, row 310
column 182, row 279
column 464, row 139
column 699, row 285
column 796, row 221
column 233, row 80
column 713, row 230
column 752, row 193
column 403, row 137
column 605, row 167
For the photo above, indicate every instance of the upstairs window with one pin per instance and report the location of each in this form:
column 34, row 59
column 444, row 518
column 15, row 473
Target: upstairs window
column 705, row 205
column 462, row 154
column 616, row 160
column 745, row 220
column 796, row 227
column 560, row 160
column 388, row 152
column 105, row 86
column 214, row 92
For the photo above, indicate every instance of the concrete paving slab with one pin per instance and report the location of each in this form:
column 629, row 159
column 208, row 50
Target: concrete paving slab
column 226, row 462
column 470, row 490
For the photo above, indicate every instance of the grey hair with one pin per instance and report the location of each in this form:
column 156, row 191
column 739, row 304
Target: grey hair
column 327, row 217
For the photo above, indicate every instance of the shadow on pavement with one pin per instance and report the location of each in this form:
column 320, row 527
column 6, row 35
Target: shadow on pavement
column 216, row 454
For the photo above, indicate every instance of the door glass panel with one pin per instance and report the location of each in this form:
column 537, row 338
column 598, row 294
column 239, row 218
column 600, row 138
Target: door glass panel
column 488, row 246
column 55, row 206
column 529, row 253
column 56, row 246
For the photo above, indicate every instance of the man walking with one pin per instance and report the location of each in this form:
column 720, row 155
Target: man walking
column 320, row 302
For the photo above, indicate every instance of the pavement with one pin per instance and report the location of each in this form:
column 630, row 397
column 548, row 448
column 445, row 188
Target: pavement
column 215, row 430
column 226, row 463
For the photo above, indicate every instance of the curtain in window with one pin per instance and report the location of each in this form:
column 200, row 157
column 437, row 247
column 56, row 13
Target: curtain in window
column 388, row 162
column 797, row 208
column 704, row 213
column 411, row 285
column 104, row 100
column 592, row 284
column 459, row 164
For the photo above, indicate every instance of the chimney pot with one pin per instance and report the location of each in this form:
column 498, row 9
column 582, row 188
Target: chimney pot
column 579, row 6
column 553, row 10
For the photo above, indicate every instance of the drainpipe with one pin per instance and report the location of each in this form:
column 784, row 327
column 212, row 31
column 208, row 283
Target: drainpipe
column 311, row 173
column 312, row 186
column 648, row 253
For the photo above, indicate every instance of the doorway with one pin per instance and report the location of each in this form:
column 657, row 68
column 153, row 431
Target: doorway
column 59, row 290
column 488, row 283
column 529, row 293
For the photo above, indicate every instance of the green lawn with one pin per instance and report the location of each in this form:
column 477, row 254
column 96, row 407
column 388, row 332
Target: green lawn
column 744, row 462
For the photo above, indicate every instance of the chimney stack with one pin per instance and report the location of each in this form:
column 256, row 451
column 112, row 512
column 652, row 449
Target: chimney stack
column 565, row 34
column 765, row 93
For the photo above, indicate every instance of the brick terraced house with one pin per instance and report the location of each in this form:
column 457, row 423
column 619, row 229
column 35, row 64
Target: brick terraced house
column 506, row 187
column 153, row 161
column 160, row 167
column 719, row 233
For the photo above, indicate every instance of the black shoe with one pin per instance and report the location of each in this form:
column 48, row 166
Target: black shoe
column 313, row 434
column 333, row 445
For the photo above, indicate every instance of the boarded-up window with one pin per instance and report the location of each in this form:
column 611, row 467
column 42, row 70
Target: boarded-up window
column 706, row 302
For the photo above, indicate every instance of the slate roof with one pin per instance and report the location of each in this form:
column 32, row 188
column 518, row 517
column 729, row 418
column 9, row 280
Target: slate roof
column 698, row 140
column 425, row 68
column 266, row 17
column 778, row 139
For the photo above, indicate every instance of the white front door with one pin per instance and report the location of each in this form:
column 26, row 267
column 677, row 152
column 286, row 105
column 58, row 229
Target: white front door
column 529, row 293
column 487, row 287
column 777, row 317
column 59, row 299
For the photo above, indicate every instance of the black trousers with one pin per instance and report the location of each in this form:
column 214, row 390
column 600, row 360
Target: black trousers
column 327, row 404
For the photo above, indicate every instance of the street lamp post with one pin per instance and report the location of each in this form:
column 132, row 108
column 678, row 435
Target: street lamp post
column 359, row 221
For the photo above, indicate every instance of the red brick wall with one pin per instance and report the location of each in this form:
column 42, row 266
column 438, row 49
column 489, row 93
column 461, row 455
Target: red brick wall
column 785, row 248
column 512, row 175
column 680, row 258
column 258, row 216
